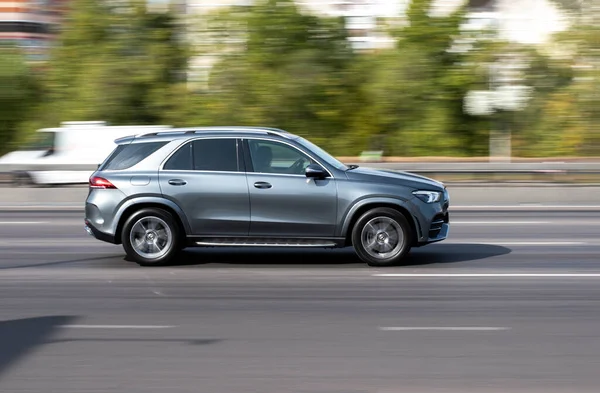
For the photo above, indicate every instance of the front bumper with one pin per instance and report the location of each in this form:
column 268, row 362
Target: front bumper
column 439, row 228
column 433, row 221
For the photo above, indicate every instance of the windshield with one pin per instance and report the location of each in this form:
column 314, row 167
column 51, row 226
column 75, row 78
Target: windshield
column 322, row 154
column 40, row 141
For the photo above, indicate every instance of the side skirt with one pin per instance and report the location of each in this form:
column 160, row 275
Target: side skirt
column 252, row 241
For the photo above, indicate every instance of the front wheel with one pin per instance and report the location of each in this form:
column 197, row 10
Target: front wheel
column 382, row 237
column 151, row 237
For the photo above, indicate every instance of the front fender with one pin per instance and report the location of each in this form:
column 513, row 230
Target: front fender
column 357, row 205
column 149, row 200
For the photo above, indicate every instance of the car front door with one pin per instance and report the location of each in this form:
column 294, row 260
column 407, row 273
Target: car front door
column 283, row 201
column 204, row 177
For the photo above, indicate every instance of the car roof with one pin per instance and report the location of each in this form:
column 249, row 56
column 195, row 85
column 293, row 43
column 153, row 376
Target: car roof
column 182, row 133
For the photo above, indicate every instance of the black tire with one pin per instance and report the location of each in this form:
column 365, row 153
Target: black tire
column 153, row 220
column 22, row 179
column 383, row 227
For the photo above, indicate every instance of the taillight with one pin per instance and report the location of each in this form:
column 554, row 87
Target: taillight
column 100, row 182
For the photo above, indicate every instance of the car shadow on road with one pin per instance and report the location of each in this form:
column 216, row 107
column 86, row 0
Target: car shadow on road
column 453, row 253
column 431, row 254
column 20, row 337
column 78, row 261
column 266, row 256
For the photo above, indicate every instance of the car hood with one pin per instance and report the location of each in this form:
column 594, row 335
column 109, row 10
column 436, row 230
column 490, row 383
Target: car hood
column 21, row 156
column 395, row 177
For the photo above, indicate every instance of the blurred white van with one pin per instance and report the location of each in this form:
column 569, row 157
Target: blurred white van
column 68, row 154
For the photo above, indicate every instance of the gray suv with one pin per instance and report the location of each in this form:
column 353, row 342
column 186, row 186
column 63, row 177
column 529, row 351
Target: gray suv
column 160, row 192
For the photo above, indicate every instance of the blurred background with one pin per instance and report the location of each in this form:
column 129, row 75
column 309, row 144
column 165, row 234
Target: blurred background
column 474, row 93
column 379, row 80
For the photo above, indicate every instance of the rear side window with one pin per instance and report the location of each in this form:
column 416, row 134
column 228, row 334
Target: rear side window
column 215, row 155
column 126, row 156
column 219, row 155
column 181, row 160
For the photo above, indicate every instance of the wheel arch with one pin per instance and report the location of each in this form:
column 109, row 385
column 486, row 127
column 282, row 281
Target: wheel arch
column 361, row 207
column 132, row 206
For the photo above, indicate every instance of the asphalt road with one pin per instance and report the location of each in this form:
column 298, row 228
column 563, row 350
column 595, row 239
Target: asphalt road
column 509, row 303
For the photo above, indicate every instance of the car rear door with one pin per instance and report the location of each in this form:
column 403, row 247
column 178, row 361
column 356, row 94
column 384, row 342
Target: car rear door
column 204, row 177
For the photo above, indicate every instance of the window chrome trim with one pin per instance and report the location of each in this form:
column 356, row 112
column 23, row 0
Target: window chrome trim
column 202, row 171
column 238, row 139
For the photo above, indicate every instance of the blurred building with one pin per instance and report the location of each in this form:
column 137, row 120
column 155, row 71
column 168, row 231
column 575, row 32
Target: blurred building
column 523, row 21
column 30, row 24
column 361, row 15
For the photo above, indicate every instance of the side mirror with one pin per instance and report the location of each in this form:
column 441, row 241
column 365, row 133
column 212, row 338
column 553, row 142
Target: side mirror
column 316, row 172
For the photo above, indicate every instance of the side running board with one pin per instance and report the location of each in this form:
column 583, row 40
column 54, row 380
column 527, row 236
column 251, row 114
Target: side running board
column 262, row 242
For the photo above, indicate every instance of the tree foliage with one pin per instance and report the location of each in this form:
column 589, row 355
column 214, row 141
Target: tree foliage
column 275, row 65
column 18, row 95
column 292, row 72
column 569, row 118
column 118, row 62
column 415, row 91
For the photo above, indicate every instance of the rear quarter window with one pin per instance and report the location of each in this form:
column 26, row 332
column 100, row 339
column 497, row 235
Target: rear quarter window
column 126, row 156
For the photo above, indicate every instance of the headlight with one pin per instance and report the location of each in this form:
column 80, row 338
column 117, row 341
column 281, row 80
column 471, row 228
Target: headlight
column 428, row 196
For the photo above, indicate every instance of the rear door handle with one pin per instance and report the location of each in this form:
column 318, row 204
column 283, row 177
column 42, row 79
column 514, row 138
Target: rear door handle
column 262, row 184
column 177, row 182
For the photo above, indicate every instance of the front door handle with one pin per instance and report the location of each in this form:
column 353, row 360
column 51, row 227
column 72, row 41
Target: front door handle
column 177, row 182
column 262, row 184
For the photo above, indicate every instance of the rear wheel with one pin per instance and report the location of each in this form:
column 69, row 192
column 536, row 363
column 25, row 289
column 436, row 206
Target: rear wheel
column 382, row 237
column 151, row 237
column 22, row 179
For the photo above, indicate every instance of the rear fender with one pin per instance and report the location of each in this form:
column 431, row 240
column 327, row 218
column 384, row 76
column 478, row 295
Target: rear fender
column 150, row 200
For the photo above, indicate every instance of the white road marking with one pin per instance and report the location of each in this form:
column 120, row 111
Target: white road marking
column 442, row 328
column 515, row 243
column 23, row 222
column 116, row 326
column 523, row 207
column 499, row 222
column 43, row 207
column 542, row 243
column 490, row 275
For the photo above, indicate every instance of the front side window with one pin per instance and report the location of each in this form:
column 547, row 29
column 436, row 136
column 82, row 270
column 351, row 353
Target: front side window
column 322, row 154
column 275, row 157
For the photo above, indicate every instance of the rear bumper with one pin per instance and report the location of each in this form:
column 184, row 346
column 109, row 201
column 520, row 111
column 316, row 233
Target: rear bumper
column 93, row 231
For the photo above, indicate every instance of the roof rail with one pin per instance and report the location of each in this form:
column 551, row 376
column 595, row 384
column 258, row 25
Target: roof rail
column 273, row 131
column 83, row 123
column 196, row 130
column 123, row 139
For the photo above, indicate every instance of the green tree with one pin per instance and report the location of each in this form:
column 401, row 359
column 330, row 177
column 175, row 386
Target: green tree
column 541, row 132
column 416, row 90
column 569, row 125
column 18, row 95
column 119, row 62
column 293, row 71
